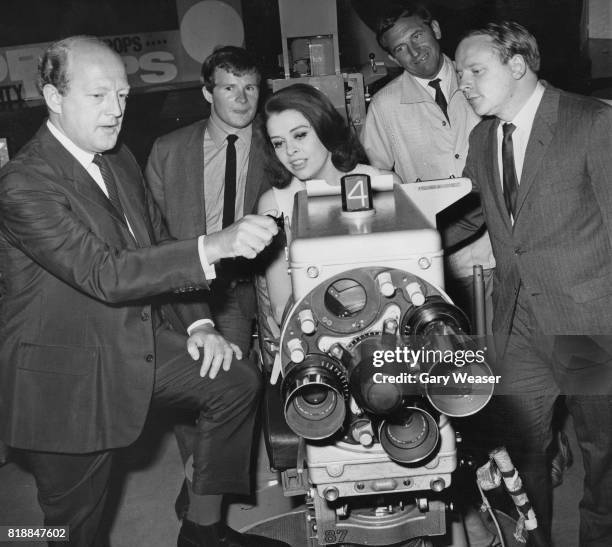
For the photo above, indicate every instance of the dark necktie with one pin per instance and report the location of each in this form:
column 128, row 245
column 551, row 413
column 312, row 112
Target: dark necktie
column 440, row 99
column 510, row 179
column 109, row 182
column 229, row 199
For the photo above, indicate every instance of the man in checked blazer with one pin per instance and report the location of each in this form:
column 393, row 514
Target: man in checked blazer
column 545, row 183
column 83, row 353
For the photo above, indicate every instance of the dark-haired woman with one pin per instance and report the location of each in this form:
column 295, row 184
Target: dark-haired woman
column 309, row 140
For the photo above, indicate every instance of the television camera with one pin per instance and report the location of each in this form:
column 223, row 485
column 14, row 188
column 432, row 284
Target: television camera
column 374, row 358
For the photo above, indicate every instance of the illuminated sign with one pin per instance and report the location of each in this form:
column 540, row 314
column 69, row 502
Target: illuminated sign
column 151, row 58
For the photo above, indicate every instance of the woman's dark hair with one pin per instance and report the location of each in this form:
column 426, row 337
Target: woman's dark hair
column 329, row 125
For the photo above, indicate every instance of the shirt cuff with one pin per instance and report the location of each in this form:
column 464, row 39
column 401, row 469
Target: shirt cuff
column 199, row 323
column 209, row 269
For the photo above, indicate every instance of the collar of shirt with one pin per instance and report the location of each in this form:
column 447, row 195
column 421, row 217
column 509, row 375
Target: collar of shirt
column 417, row 90
column 523, row 122
column 445, row 74
column 84, row 158
column 218, row 131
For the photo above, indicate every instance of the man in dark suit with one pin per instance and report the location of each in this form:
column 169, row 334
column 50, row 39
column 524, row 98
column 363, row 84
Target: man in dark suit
column 203, row 177
column 83, row 353
column 187, row 172
column 541, row 162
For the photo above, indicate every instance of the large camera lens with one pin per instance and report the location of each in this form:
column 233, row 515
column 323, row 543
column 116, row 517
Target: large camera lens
column 409, row 438
column 435, row 317
column 466, row 391
column 319, row 407
column 314, row 393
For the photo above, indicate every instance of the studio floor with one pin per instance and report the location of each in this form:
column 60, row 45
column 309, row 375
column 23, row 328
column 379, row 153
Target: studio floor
column 149, row 476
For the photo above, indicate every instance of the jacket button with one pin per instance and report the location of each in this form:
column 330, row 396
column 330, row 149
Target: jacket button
column 457, row 156
column 149, row 358
column 444, row 124
column 144, row 316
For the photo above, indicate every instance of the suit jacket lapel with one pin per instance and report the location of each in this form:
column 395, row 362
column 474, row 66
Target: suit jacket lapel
column 83, row 183
column 87, row 187
column 192, row 175
column 539, row 140
column 254, row 178
column 77, row 175
column 133, row 207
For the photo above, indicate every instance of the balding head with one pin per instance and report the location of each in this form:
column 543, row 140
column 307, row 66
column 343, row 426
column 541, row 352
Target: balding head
column 53, row 66
column 85, row 86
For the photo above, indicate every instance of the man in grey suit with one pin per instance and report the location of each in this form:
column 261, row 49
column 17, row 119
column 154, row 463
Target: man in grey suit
column 187, row 173
column 541, row 161
column 204, row 177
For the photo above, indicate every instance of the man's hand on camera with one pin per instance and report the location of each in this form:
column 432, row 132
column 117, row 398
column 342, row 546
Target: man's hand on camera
column 217, row 352
column 246, row 237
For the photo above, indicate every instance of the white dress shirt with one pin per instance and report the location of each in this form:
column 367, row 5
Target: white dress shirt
column 446, row 77
column 523, row 122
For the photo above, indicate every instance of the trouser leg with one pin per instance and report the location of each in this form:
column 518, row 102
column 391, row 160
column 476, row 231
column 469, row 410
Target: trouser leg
column 592, row 417
column 227, row 410
column 72, row 489
column 526, row 405
column 234, row 314
column 583, row 368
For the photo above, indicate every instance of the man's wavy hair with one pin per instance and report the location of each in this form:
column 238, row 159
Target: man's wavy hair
column 509, row 39
column 331, row 128
column 53, row 65
column 395, row 11
column 235, row 60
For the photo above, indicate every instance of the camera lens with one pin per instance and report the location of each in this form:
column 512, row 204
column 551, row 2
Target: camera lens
column 314, row 393
column 409, row 438
column 324, row 406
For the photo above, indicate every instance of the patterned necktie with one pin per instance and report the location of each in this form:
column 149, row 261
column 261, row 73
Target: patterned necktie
column 440, row 99
column 510, row 179
column 229, row 199
column 109, row 182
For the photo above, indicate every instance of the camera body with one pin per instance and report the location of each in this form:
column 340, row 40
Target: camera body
column 376, row 449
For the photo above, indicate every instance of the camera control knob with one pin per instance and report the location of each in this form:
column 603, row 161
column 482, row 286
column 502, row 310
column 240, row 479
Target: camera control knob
column 437, row 485
column 296, row 350
column 415, row 294
column 331, row 493
column 385, row 284
column 366, row 438
column 307, row 321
